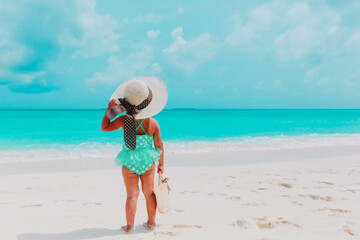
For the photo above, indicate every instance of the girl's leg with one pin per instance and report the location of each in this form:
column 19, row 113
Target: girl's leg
column 147, row 185
column 131, row 181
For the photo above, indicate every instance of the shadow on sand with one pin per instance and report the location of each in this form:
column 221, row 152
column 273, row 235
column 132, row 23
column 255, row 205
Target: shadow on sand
column 86, row 233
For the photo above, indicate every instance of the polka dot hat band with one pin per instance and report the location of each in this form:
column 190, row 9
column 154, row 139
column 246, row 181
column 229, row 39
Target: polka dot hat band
column 129, row 126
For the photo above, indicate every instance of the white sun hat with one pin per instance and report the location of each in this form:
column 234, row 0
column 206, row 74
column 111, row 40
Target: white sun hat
column 136, row 90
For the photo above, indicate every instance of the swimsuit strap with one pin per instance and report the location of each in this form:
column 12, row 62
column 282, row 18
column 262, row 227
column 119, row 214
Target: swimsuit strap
column 140, row 125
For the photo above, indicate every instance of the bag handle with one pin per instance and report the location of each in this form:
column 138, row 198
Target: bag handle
column 160, row 180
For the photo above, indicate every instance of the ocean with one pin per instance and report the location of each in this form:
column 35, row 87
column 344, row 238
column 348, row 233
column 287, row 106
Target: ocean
column 27, row 135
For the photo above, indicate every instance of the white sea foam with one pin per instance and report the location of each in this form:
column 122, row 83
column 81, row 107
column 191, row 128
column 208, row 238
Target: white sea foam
column 109, row 150
column 265, row 143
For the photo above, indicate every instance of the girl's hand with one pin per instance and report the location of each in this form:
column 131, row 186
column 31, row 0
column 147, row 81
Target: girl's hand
column 112, row 103
column 161, row 169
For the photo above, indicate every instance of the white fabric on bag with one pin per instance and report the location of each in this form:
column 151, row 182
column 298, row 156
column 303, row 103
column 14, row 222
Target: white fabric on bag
column 162, row 196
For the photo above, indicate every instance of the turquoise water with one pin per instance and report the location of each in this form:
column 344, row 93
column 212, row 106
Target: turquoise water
column 28, row 128
column 77, row 129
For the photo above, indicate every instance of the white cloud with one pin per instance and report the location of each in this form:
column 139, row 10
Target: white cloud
column 353, row 41
column 188, row 55
column 152, row 34
column 98, row 33
column 120, row 68
column 310, row 31
column 20, row 78
column 20, row 58
column 76, row 25
column 180, row 10
column 296, row 30
column 177, row 35
column 156, row 68
column 259, row 20
column 12, row 52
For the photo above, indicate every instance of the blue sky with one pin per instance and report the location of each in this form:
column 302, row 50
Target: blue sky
column 211, row 54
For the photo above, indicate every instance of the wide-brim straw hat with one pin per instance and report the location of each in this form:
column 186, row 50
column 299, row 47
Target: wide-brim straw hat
column 159, row 95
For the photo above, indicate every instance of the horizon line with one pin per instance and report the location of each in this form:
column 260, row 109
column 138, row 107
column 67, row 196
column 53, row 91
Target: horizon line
column 96, row 109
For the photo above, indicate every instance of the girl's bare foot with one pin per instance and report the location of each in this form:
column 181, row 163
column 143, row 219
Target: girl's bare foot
column 150, row 225
column 128, row 228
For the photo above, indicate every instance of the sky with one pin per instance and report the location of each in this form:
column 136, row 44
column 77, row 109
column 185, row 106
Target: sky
column 211, row 54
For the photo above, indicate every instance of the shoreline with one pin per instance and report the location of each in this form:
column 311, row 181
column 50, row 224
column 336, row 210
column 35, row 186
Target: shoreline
column 94, row 150
column 183, row 159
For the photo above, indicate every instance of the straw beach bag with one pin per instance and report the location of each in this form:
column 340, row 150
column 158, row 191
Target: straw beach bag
column 162, row 194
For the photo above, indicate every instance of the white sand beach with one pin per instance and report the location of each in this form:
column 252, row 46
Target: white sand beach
column 309, row 193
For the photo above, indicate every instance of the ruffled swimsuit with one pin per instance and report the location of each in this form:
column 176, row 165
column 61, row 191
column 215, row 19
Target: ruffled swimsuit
column 144, row 155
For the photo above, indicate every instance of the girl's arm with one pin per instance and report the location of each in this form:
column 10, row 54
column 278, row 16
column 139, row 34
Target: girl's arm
column 108, row 126
column 159, row 145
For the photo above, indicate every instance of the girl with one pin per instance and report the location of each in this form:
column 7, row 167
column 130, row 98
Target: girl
column 139, row 98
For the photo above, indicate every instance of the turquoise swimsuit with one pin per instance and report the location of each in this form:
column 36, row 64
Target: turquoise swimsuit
column 144, row 155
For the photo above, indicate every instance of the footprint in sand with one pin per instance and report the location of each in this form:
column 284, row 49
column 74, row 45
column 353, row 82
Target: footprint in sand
column 185, row 192
column 235, row 198
column 179, row 210
column 230, row 176
column 181, row 226
column 242, row 224
column 318, row 197
column 351, row 190
column 297, row 204
column 171, row 234
column 89, row 203
column 327, row 198
column 214, row 194
column 33, row 205
column 287, row 185
column 328, row 183
column 264, row 223
column 288, row 223
column 348, row 231
column 314, row 197
column 334, row 210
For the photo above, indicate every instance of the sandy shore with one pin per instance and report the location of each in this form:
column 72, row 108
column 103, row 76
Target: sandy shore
column 304, row 194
